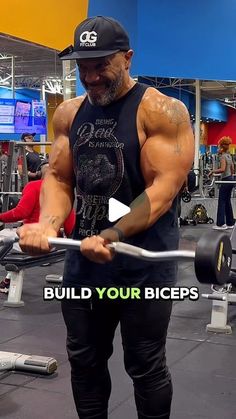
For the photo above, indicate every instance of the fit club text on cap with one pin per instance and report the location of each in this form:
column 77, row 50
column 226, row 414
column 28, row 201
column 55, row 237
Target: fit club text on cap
column 97, row 37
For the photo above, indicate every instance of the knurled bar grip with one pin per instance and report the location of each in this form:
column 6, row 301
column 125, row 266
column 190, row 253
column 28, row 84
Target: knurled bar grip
column 127, row 249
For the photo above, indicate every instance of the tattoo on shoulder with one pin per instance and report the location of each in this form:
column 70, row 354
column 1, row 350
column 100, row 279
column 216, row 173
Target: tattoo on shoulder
column 176, row 115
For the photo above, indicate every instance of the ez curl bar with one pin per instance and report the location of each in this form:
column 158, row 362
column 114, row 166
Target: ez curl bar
column 212, row 257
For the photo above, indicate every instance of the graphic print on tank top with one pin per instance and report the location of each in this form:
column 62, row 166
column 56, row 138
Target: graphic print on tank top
column 98, row 156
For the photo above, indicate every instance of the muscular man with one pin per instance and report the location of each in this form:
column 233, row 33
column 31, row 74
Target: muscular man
column 127, row 141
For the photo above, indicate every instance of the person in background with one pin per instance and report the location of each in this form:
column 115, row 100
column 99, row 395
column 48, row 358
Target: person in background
column 3, row 156
column 27, row 210
column 33, row 159
column 125, row 140
column 225, row 217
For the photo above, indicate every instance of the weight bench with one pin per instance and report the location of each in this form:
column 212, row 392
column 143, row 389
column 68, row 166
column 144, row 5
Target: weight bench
column 223, row 297
column 16, row 263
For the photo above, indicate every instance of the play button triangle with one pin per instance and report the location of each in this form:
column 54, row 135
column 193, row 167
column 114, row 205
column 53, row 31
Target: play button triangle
column 116, row 209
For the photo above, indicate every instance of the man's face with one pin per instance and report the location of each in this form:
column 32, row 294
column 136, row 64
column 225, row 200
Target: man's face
column 102, row 78
column 29, row 138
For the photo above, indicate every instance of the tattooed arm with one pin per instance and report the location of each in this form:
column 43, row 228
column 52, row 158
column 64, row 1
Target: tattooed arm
column 167, row 152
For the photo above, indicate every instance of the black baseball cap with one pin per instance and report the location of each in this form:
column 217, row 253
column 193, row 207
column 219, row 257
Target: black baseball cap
column 95, row 37
column 28, row 134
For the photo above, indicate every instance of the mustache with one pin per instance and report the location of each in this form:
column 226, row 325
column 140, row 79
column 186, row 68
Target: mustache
column 91, row 85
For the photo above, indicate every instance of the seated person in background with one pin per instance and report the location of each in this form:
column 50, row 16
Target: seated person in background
column 33, row 158
column 28, row 210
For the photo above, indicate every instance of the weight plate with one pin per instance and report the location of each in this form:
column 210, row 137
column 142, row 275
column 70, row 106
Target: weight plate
column 213, row 258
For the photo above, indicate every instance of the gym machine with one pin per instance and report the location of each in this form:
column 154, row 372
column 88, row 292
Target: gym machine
column 17, row 263
column 11, row 182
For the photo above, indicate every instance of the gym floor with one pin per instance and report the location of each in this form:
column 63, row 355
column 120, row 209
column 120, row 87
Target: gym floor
column 202, row 364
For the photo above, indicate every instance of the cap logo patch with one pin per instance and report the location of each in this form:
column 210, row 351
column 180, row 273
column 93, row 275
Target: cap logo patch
column 88, row 39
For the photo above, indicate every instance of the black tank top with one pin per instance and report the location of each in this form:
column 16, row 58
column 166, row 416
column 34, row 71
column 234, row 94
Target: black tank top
column 106, row 157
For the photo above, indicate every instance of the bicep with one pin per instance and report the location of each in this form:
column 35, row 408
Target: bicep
column 167, row 157
column 60, row 160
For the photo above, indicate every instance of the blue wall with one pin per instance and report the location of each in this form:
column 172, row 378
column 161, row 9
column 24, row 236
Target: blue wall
column 214, row 110
column 20, row 94
column 126, row 12
column 187, row 39
column 178, row 38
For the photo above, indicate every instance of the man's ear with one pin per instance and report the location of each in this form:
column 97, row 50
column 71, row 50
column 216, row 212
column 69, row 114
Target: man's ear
column 128, row 57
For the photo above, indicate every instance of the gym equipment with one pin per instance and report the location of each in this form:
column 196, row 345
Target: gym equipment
column 12, row 199
column 223, row 296
column 16, row 263
column 54, row 279
column 186, row 196
column 221, row 299
column 192, row 181
column 30, row 363
column 199, row 214
column 219, row 182
column 212, row 258
column 212, row 193
column 11, row 181
column 187, row 221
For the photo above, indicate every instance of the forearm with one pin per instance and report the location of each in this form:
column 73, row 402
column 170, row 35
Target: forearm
column 56, row 202
column 34, row 175
column 146, row 209
column 216, row 171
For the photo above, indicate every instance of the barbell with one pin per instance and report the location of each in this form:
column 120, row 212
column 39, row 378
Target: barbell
column 212, row 257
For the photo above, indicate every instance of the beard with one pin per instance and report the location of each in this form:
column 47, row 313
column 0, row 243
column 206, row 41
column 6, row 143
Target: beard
column 109, row 94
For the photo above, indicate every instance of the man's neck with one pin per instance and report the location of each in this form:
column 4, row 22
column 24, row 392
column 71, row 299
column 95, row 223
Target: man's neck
column 129, row 84
column 29, row 148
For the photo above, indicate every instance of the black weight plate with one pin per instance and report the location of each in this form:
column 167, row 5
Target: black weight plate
column 213, row 258
column 186, row 196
